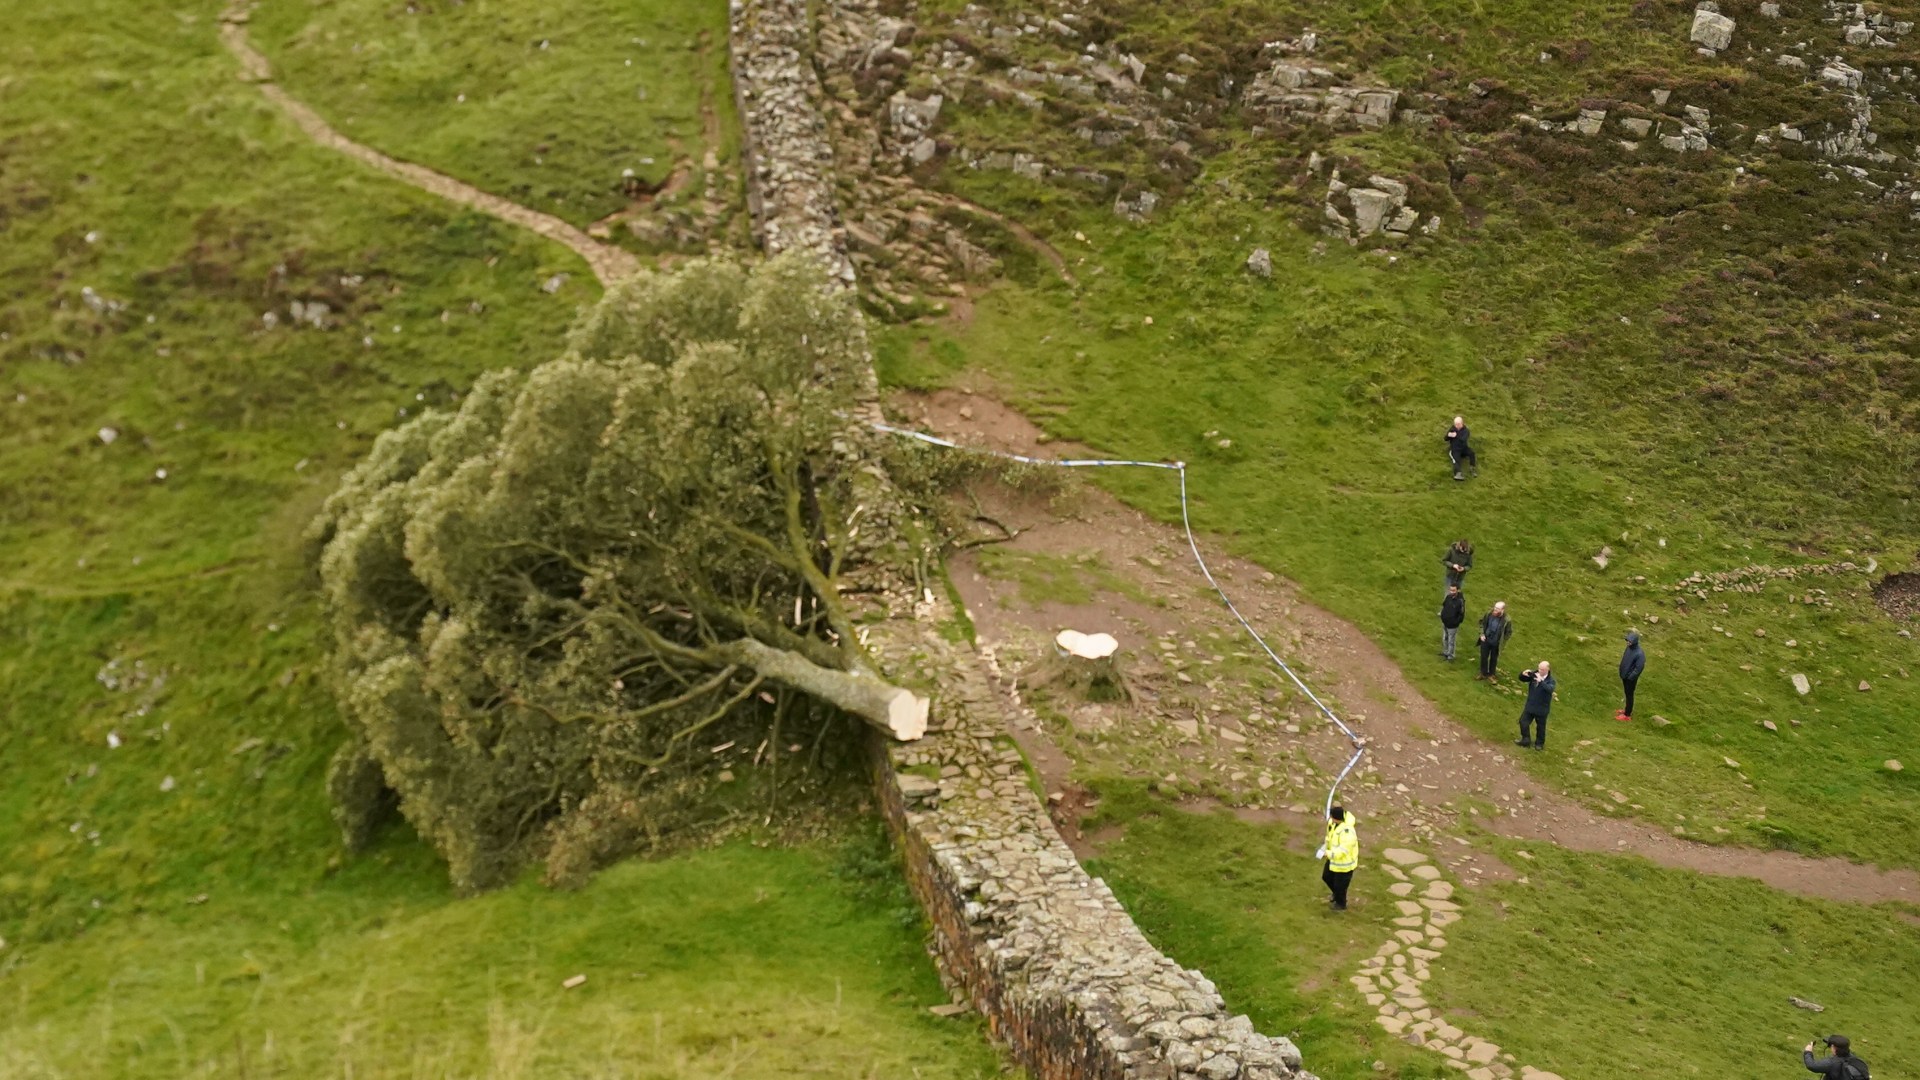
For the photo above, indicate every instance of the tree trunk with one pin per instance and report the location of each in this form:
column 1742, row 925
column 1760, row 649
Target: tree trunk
column 899, row 712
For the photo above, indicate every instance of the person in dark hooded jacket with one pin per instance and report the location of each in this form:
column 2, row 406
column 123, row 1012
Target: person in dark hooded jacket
column 1453, row 612
column 1632, row 663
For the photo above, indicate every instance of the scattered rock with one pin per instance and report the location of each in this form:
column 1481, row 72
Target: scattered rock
column 573, row 981
column 916, row 789
column 951, row 1009
column 1802, row 1003
column 1260, row 263
column 1864, row 687
column 552, row 285
column 1801, row 685
column 1892, row 765
column 1731, row 764
column 1370, row 209
column 1712, row 30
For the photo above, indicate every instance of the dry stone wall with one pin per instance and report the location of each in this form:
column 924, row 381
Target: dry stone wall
column 789, row 158
column 1041, row 948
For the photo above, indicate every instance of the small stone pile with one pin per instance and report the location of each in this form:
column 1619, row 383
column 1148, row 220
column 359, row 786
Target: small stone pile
column 1753, row 578
column 1377, row 206
column 1296, row 92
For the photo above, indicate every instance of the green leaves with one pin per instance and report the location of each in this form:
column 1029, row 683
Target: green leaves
column 531, row 597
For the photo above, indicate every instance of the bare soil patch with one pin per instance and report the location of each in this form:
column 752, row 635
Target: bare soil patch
column 1210, row 719
column 1899, row 595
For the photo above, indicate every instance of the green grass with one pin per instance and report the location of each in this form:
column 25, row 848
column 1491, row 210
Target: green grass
column 737, row 961
column 1066, row 579
column 1673, row 967
column 1236, row 902
column 546, row 104
column 1594, row 967
column 1639, row 382
column 180, row 902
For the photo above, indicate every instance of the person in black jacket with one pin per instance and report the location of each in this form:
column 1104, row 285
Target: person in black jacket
column 1460, row 450
column 1539, row 702
column 1632, row 663
column 1453, row 612
column 1457, row 560
column 1495, row 629
column 1841, row 1066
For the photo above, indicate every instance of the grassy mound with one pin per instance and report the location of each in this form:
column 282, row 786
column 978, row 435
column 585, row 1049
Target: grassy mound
column 172, row 901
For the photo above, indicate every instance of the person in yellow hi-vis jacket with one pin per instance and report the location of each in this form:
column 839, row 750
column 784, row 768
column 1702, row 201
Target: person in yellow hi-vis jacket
column 1341, row 855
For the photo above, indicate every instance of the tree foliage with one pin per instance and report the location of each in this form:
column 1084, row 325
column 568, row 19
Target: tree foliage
column 542, row 601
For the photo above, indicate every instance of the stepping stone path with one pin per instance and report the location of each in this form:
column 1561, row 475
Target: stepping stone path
column 1393, row 978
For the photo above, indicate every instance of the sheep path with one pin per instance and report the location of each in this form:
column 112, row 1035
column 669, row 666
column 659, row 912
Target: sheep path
column 1424, row 757
column 609, row 263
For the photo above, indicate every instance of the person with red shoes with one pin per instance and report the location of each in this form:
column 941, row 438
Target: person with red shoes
column 1632, row 663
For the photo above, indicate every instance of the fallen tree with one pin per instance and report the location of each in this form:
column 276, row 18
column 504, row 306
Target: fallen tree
column 541, row 600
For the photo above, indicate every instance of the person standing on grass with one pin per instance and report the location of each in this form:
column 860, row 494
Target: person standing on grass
column 1458, row 560
column 1632, row 663
column 1460, row 450
column 1340, row 853
column 1453, row 612
column 1495, row 629
column 1539, row 702
column 1841, row 1066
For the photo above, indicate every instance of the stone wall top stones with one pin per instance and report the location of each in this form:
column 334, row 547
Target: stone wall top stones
column 789, row 157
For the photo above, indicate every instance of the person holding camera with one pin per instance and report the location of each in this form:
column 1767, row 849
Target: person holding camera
column 1458, row 560
column 1459, row 450
column 1540, row 687
column 1842, row 1065
column 1495, row 629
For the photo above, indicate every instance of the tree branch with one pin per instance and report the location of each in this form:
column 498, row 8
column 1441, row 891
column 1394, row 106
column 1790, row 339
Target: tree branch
column 899, row 712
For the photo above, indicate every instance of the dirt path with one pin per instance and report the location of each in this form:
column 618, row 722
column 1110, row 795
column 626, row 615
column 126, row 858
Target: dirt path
column 1428, row 765
column 609, row 263
column 1020, row 232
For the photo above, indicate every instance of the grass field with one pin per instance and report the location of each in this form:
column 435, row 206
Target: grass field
column 1595, row 967
column 732, row 962
column 549, row 105
column 172, row 897
column 1692, row 367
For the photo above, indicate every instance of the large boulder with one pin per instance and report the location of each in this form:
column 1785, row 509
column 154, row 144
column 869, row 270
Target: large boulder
column 1712, row 30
